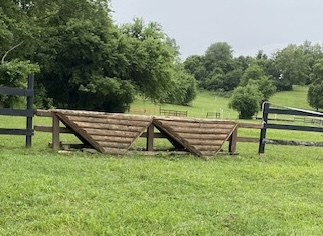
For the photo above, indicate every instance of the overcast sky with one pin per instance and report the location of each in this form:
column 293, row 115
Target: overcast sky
column 246, row 25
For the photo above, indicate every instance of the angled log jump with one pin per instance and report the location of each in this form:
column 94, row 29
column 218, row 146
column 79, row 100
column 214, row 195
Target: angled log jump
column 115, row 133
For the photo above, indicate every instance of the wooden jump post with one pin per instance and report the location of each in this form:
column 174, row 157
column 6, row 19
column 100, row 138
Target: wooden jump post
column 28, row 112
column 55, row 128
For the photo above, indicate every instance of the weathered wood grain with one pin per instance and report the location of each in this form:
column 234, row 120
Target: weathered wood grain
column 114, row 133
column 103, row 115
column 114, row 145
column 201, row 130
column 194, row 120
column 106, row 120
column 210, row 142
column 130, row 128
column 200, row 124
column 214, row 136
column 108, row 133
column 204, row 142
column 100, row 138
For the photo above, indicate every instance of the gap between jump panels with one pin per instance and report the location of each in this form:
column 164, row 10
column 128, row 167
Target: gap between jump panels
column 111, row 133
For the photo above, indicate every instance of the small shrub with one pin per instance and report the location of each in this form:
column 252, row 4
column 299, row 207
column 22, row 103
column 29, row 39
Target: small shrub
column 246, row 101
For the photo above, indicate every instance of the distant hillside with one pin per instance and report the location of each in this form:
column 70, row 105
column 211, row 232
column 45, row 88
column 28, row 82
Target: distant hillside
column 296, row 98
column 209, row 102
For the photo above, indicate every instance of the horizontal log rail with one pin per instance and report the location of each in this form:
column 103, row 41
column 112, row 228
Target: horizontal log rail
column 293, row 143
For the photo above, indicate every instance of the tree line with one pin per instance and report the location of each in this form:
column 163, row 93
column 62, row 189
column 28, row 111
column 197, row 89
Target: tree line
column 84, row 60
column 252, row 80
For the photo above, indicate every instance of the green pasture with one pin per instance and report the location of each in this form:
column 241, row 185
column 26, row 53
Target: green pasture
column 44, row 192
column 207, row 101
column 296, row 98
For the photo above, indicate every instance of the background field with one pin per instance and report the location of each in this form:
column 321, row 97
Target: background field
column 48, row 193
column 209, row 102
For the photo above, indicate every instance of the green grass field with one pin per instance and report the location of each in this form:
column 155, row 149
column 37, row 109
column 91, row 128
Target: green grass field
column 296, row 98
column 205, row 102
column 44, row 192
column 209, row 102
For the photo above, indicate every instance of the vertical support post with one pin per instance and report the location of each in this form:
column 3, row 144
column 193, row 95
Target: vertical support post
column 233, row 141
column 265, row 110
column 150, row 138
column 29, row 118
column 55, row 132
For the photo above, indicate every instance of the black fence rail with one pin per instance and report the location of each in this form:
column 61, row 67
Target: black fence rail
column 28, row 112
column 295, row 112
column 299, row 119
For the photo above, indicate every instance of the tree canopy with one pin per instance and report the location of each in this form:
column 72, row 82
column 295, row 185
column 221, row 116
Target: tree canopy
column 86, row 61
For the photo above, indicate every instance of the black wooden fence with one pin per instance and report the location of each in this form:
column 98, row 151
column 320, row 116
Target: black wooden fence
column 28, row 112
column 296, row 112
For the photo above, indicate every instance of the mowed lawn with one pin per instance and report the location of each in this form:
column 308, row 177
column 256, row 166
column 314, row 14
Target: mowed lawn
column 49, row 193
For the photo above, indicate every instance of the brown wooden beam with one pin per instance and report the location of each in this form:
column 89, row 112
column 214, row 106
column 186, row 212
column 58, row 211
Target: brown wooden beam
column 55, row 133
column 150, row 138
column 233, row 141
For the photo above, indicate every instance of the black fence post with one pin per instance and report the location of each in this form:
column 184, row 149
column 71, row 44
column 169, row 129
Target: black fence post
column 29, row 118
column 265, row 108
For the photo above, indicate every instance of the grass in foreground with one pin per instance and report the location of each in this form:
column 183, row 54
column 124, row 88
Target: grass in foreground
column 47, row 193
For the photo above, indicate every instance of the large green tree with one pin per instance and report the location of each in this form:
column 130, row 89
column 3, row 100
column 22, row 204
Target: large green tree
column 292, row 67
column 253, row 72
column 255, row 75
column 222, row 72
column 150, row 58
column 183, row 87
column 88, row 62
column 219, row 55
column 78, row 57
column 16, row 35
column 195, row 66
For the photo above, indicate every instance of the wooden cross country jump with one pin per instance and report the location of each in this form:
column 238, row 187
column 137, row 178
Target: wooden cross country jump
column 106, row 132
column 115, row 133
column 201, row 137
